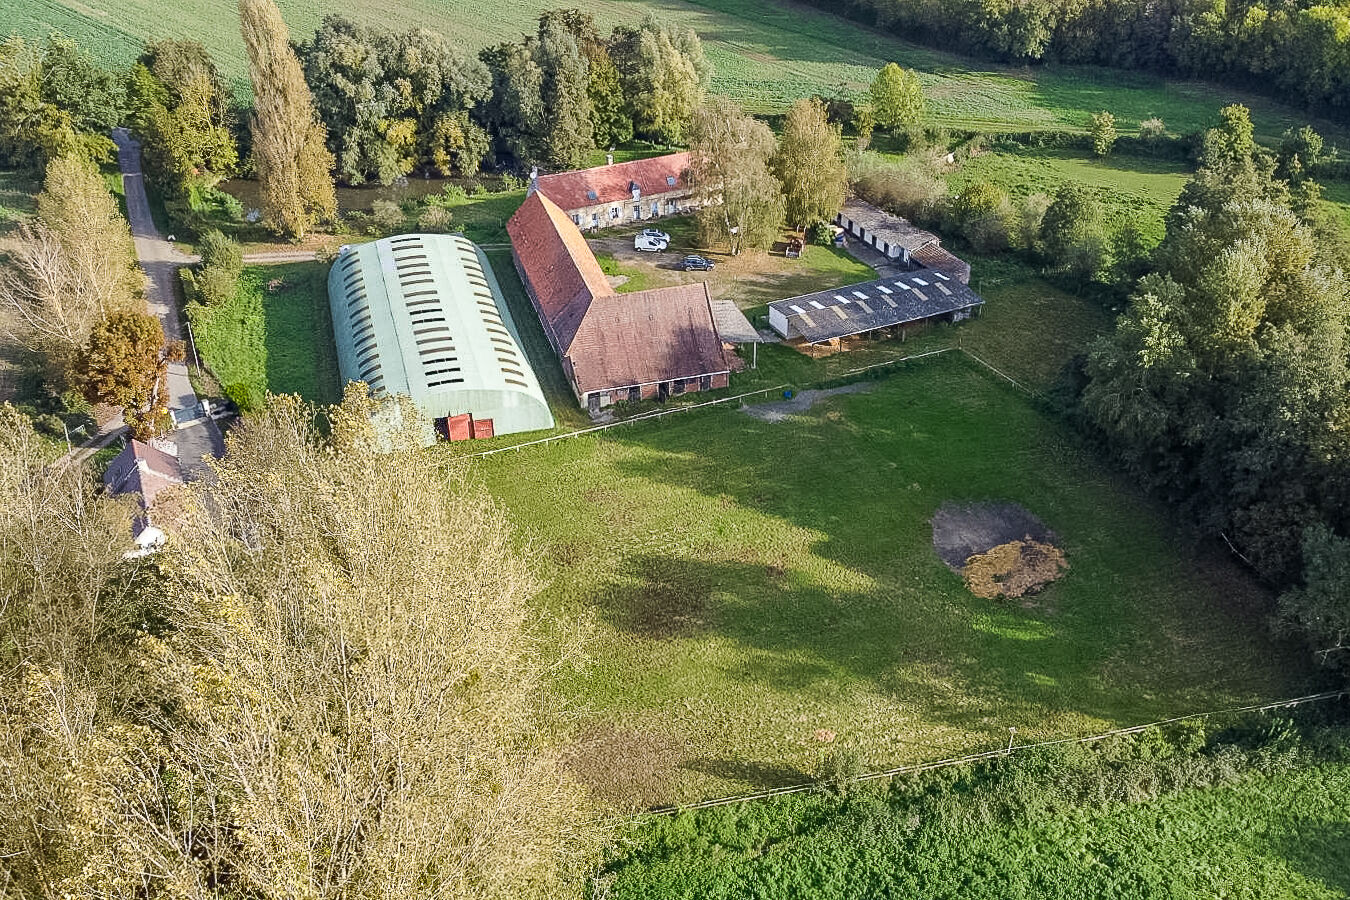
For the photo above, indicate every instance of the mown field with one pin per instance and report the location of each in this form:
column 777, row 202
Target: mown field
column 275, row 336
column 766, row 53
column 1277, row 835
column 734, row 585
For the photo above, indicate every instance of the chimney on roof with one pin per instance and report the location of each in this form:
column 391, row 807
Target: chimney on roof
column 609, row 159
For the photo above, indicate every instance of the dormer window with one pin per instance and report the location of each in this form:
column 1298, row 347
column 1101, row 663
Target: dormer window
column 637, row 191
column 670, row 181
column 592, row 196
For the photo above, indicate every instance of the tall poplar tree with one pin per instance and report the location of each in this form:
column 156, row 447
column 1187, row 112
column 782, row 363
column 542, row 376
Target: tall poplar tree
column 293, row 163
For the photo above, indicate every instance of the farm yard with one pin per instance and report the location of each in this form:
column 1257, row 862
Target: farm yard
column 739, row 585
column 765, row 54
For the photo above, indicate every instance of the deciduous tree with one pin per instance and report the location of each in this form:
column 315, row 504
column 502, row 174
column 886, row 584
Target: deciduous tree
column 740, row 201
column 71, row 267
column 664, row 73
column 354, row 674
column 293, row 163
column 1103, row 132
column 809, row 164
column 897, row 98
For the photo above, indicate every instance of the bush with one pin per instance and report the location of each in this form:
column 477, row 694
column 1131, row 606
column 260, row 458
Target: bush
column 387, row 215
column 220, row 251
column 820, row 233
column 245, row 396
column 435, row 218
column 50, row 425
column 454, row 193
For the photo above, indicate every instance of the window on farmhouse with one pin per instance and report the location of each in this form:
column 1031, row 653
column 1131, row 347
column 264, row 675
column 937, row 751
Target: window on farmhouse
column 614, row 212
column 576, row 218
column 637, row 210
column 670, row 206
column 656, row 208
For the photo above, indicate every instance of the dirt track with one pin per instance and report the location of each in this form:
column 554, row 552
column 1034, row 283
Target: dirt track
column 800, row 403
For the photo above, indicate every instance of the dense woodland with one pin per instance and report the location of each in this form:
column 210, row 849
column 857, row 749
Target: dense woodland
column 1300, row 50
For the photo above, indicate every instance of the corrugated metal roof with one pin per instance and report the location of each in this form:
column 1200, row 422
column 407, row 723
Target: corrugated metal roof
column 904, row 298
column 892, row 229
column 732, row 325
column 422, row 315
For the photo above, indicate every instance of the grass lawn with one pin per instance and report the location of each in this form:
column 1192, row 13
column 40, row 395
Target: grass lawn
column 1127, row 185
column 276, row 336
column 765, row 53
column 737, row 585
column 1279, row 835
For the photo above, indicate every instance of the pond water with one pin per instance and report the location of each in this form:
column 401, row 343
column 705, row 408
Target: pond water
column 362, row 199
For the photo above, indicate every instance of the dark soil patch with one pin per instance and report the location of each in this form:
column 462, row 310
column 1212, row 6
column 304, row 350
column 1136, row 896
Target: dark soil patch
column 662, row 597
column 961, row 530
column 630, row 769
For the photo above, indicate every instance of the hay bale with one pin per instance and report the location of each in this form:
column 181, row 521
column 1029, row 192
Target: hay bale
column 1014, row 569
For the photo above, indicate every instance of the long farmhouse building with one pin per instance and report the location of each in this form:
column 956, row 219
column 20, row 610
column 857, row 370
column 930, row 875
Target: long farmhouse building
column 614, row 347
column 619, row 193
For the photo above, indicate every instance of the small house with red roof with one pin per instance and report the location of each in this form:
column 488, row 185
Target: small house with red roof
column 620, row 193
column 613, row 347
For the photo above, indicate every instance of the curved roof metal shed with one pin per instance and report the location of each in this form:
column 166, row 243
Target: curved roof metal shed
column 422, row 315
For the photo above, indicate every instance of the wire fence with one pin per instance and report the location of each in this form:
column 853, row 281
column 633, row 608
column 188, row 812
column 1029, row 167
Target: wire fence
column 676, row 410
column 998, row 753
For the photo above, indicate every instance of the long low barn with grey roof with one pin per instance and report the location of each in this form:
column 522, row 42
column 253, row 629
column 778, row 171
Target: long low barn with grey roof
column 903, row 299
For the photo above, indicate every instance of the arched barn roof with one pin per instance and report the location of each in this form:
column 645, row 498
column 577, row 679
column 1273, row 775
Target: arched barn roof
column 423, row 315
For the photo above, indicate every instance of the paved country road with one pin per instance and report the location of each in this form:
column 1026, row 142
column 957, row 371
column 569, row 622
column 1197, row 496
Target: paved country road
column 161, row 260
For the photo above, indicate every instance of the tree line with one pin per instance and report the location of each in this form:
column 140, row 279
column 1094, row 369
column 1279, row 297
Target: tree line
column 1299, row 50
column 356, row 103
column 1225, row 386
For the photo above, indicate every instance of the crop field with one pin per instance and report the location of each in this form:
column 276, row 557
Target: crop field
column 739, row 584
column 765, row 54
column 275, row 336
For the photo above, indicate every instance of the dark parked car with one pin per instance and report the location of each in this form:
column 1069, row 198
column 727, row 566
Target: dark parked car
column 696, row 264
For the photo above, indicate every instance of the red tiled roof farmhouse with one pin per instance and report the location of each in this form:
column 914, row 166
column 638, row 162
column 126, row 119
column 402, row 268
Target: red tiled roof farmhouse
column 558, row 266
column 613, row 183
column 606, row 340
column 646, row 337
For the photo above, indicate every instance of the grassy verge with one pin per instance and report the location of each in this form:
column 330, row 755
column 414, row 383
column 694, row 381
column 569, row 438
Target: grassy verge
column 274, row 336
column 739, row 584
column 1127, row 819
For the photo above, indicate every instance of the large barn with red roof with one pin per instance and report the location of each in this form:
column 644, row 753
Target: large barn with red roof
column 614, row 347
column 618, row 193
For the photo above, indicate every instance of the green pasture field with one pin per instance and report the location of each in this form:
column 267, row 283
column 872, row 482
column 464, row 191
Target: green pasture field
column 1127, row 185
column 766, row 53
column 274, row 339
column 727, row 586
column 1276, row 835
